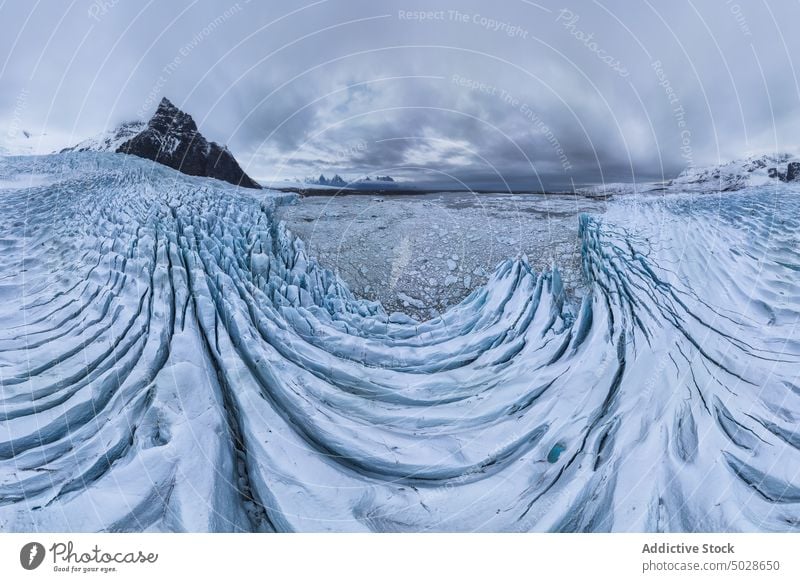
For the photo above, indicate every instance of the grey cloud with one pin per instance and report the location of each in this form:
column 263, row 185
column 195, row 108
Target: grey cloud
column 271, row 80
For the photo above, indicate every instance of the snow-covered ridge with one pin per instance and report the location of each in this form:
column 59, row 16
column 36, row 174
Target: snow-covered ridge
column 728, row 177
column 339, row 182
column 111, row 140
column 738, row 174
column 21, row 142
column 172, row 360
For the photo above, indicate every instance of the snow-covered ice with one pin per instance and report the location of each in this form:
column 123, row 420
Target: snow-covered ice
column 172, row 359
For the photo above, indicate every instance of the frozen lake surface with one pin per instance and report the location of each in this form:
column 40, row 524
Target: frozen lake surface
column 421, row 254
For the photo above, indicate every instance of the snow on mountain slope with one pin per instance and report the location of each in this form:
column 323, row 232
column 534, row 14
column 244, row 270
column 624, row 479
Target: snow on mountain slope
column 111, row 140
column 171, row 359
column 17, row 144
column 21, row 142
column 731, row 176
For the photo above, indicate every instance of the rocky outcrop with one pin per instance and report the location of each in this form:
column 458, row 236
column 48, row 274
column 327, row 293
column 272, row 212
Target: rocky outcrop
column 793, row 171
column 171, row 138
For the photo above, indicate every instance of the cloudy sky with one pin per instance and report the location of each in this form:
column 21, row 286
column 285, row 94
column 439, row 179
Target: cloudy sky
column 507, row 94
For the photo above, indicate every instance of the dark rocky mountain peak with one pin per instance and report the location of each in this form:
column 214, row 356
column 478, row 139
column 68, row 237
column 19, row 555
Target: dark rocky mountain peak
column 170, row 119
column 172, row 138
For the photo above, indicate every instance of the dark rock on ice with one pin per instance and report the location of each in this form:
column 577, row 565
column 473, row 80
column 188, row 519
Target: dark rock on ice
column 793, row 171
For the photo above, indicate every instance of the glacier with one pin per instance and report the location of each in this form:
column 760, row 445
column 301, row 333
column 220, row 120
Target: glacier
column 171, row 359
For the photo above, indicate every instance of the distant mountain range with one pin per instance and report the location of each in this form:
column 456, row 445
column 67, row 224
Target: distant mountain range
column 339, row 182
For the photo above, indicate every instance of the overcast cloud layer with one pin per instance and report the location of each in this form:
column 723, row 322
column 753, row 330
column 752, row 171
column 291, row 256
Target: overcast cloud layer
column 510, row 94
